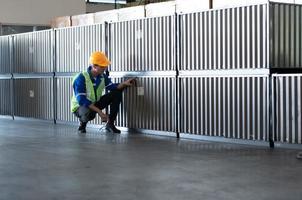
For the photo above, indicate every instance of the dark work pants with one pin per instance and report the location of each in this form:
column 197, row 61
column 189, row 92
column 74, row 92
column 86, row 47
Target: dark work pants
column 112, row 98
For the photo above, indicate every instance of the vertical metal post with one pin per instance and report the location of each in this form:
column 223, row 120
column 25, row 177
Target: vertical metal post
column 11, row 63
column 107, row 41
column 54, row 68
column 177, row 61
column 106, row 31
column 271, row 110
column 270, row 81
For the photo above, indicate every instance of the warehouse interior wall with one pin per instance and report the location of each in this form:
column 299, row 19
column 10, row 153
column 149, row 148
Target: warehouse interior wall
column 38, row 12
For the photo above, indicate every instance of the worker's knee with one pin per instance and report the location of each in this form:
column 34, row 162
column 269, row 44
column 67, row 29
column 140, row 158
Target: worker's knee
column 117, row 94
column 85, row 114
column 87, row 118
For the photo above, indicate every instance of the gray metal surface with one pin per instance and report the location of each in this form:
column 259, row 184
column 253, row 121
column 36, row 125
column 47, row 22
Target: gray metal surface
column 64, row 94
column 32, row 75
column 4, row 55
column 5, row 97
column 150, row 105
column 5, row 76
column 134, row 74
column 222, row 73
column 32, row 52
column 233, row 38
column 143, row 45
column 287, row 110
column 231, row 107
column 74, row 46
column 286, row 35
column 33, row 98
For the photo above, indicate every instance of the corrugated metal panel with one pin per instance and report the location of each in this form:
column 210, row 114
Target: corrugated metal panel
column 33, row 97
column 4, row 55
column 43, row 52
column 74, row 46
column 286, row 36
column 143, row 45
column 64, row 94
column 234, row 38
column 231, row 107
column 287, row 109
column 5, row 94
column 150, row 105
column 33, row 52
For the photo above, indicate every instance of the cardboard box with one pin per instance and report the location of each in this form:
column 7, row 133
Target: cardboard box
column 105, row 16
column 137, row 12
column 237, row 3
column 60, row 22
column 85, row 19
column 189, row 6
column 160, row 9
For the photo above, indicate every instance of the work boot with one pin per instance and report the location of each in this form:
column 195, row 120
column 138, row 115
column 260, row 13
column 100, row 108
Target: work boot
column 82, row 127
column 111, row 128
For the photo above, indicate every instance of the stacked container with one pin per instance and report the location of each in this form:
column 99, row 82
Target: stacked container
column 73, row 48
column 286, row 63
column 209, row 73
column 145, row 49
column 222, row 76
column 5, row 77
column 32, row 71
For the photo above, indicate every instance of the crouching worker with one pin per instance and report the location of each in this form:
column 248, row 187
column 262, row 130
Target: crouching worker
column 88, row 87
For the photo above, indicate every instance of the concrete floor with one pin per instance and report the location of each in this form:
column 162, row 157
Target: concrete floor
column 40, row 160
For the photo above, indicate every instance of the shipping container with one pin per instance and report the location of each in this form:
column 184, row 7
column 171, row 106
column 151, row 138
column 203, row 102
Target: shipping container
column 287, row 111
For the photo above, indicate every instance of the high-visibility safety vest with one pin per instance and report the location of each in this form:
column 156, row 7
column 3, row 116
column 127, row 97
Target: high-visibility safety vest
column 90, row 94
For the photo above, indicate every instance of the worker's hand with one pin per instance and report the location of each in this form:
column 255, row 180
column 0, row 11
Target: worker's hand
column 127, row 83
column 103, row 116
column 130, row 82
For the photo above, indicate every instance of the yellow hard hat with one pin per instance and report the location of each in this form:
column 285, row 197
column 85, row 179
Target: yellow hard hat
column 99, row 58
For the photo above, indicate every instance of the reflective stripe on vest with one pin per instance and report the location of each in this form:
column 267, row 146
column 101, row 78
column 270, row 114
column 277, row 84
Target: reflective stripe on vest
column 90, row 94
